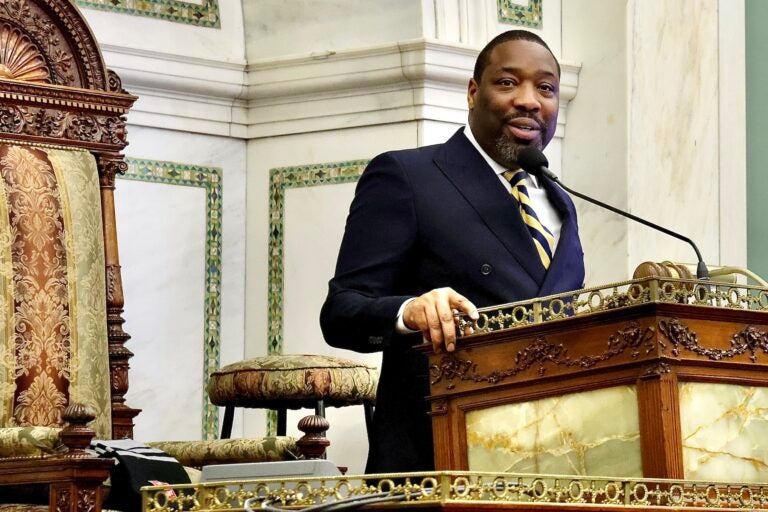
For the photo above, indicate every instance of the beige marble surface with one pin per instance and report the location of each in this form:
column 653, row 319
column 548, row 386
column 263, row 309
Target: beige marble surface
column 725, row 432
column 589, row 433
column 673, row 127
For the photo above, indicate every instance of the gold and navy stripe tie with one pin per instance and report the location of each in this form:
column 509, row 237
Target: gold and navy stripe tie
column 542, row 237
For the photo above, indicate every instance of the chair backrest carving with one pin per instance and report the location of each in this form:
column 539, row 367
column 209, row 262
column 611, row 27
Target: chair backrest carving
column 62, row 117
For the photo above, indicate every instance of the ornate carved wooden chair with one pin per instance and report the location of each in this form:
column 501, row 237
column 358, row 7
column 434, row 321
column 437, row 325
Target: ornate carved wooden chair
column 62, row 354
column 62, row 128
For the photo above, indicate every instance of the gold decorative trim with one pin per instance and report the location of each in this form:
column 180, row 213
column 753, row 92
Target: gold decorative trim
column 622, row 295
column 415, row 490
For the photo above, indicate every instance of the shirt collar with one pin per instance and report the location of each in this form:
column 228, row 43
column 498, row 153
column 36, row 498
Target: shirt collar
column 496, row 166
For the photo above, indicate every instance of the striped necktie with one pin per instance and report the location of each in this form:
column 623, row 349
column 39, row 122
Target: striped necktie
column 542, row 237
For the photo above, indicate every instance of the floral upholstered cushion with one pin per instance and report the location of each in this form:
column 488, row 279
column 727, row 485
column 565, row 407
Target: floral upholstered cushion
column 228, row 451
column 293, row 381
column 27, row 441
column 17, row 507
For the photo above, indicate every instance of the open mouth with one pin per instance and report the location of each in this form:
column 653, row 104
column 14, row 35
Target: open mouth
column 524, row 128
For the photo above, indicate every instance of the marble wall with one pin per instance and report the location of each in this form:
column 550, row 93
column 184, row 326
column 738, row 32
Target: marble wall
column 161, row 37
column 162, row 237
column 673, row 135
column 184, row 304
column 326, row 26
column 657, row 128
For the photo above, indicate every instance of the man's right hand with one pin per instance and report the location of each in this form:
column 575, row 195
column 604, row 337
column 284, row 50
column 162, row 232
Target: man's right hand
column 433, row 315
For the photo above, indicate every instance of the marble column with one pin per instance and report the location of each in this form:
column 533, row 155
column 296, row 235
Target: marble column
column 657, row 128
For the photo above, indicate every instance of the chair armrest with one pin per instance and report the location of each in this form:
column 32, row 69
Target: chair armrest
column 230, row 451
column 74, row 478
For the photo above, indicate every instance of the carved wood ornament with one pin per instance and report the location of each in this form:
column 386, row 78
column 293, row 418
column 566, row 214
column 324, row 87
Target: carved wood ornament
column 55, row 89
column 749, row 339
column 632, row 339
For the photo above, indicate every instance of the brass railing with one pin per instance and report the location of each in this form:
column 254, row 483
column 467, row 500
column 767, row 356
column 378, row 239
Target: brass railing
column 625, row 294
column 419, row 489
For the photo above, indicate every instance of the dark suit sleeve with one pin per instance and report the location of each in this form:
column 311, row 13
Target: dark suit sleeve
column 372, row 271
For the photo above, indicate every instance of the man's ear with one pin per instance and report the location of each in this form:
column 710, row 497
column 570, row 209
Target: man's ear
column 471, row 93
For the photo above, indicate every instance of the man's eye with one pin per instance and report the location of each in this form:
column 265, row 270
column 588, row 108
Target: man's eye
column 507, row 82
column 547, row 88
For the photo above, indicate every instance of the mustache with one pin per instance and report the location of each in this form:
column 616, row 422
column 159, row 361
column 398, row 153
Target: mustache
column 525, row 115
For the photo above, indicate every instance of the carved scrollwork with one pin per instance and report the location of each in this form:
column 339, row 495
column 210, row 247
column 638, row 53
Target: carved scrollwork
column 113, row 282
column 114, row 83
column 11, row 119
column 62, row 37
column 113, row 131
column 59, row 124
column 86, row 500
column 657, row 369
column 452, row 368
column 750, row 339
column 82, row 127
column 63, row 501
column 109, row 167
column 633, row 339
column 40, row 28
column 119, row 379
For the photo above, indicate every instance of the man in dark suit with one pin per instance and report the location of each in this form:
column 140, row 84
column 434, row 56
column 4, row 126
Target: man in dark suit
column 438, row 230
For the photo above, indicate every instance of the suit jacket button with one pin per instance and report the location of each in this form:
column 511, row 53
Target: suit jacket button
column 486, row 269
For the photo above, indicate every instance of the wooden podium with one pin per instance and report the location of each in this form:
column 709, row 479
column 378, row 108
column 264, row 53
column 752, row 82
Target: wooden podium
column 645, row 395
column 653, row 378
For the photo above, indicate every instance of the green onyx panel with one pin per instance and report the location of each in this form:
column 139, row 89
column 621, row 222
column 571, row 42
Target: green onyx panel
column 590, row 433
column 725, row 432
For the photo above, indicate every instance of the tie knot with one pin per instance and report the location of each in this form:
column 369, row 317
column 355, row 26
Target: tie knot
column 516, row 177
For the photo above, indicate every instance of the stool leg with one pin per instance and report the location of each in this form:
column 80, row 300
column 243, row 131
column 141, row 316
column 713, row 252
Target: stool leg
column 320, row 411
column 282, row 421
column 368, row 411
column 229, row 416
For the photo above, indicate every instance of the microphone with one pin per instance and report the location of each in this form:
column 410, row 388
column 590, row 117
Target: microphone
column 535, row 163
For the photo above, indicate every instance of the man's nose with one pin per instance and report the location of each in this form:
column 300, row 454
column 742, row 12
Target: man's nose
column 525, row 97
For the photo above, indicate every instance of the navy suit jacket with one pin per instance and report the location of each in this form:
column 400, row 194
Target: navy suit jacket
column 421, row 219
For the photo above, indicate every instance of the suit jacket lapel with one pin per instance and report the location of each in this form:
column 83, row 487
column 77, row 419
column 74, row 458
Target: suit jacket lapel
column 568, row 247
column 476, row 181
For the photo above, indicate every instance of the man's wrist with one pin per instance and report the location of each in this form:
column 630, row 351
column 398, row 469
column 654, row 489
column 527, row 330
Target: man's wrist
column 400, row 327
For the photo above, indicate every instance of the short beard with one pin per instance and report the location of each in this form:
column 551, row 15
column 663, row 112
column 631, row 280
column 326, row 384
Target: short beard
column 507, row 151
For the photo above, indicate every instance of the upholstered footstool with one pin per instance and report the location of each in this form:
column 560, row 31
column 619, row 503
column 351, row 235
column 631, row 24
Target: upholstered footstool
column 293, row 381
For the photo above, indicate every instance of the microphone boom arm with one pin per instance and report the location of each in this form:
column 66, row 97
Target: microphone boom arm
column 701, row 267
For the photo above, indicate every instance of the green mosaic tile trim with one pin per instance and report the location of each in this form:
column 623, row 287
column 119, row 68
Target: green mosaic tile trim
column 281, row 179
column 210, row 179
column 526, row 15
column 191, row 13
